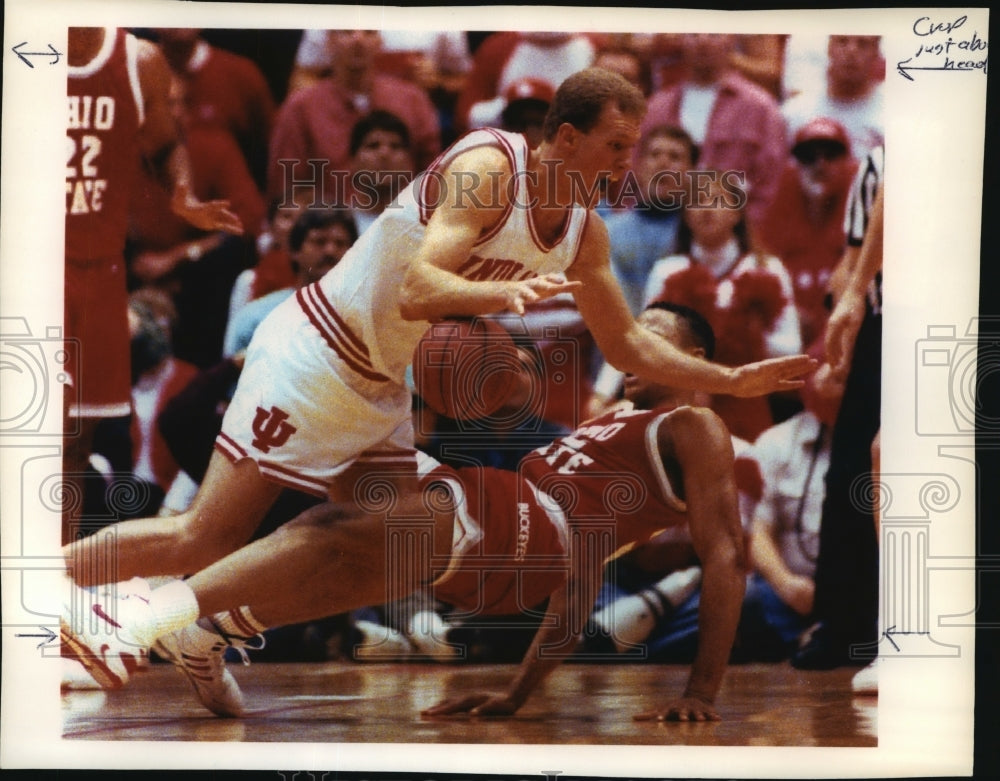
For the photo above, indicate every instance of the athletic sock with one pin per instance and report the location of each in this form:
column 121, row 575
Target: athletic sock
column 676, row 587
column 238, row 622
column 171, row 607
column 631, row 619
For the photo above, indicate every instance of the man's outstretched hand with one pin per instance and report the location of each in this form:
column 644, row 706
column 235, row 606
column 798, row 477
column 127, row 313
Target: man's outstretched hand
column 206, row 215
column 772, row 375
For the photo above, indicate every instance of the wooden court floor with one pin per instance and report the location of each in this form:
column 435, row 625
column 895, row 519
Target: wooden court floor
column 345, row 702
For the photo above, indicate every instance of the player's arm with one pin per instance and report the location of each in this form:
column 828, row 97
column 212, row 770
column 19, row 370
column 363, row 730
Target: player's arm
column 556, row 639
column 629, row 347
column 796, row 591
column 161, row 145
column 700, row 443
column 472, row 199
column 849, row 311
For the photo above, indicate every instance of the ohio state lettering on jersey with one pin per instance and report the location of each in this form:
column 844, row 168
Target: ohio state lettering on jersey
column 104, row 109
column 564, row 455
column 599, row 479
column 84, row 187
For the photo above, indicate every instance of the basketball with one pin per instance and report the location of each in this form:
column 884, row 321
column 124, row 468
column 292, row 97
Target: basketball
column 466, row 369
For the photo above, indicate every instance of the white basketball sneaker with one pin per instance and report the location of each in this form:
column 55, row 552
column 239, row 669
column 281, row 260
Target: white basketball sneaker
column 380, row 643
column 427, row 632
column 198, row 650
column 97, row 628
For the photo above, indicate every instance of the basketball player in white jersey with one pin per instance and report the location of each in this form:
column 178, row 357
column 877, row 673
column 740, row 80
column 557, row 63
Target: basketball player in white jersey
column 493, row 227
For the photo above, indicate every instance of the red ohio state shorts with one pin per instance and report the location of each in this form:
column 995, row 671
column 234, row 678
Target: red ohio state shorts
column 96, row 318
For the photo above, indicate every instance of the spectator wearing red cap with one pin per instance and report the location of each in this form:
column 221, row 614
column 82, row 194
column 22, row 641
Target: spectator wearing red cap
column 851, row 94
column 505, row 57
column 805, row 224
column 527, row 102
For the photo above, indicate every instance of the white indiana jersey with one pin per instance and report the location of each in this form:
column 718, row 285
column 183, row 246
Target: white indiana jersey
column 356, row 304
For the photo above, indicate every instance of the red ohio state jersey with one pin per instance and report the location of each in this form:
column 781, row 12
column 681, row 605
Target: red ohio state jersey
column 608, row 470
column 576, row 493
column 105, row 111
column 513, row 552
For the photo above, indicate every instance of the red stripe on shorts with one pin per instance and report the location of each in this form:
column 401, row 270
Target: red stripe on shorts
column 336, row 333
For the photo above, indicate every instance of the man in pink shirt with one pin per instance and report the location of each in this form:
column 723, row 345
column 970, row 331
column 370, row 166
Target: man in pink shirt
column 736, row 124
column 315, row 122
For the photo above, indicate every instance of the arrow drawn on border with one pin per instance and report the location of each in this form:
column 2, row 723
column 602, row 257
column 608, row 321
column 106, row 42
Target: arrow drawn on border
column 903, row 71
column 49, row 636
column 25, row 55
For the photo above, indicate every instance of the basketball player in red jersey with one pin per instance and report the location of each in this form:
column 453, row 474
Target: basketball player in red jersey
column 118, row 117
column 492, row 542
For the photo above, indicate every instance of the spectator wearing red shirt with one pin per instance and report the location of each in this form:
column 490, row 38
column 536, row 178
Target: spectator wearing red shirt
column 315, row 122
column 224, row 90
column 805, row 224
column 218, row 170
column 736, row 124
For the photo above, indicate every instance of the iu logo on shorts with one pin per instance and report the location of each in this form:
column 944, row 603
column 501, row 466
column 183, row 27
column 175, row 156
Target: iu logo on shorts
column 271, row 429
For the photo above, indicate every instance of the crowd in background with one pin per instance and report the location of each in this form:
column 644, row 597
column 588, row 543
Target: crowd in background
column 735, row 207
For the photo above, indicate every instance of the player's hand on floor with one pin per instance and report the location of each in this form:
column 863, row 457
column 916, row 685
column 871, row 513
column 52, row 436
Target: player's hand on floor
column 494, row 705
column 684, row 709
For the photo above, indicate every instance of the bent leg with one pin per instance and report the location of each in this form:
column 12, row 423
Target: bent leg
column 230, row 504
column 769, row 629
column 328, row 561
